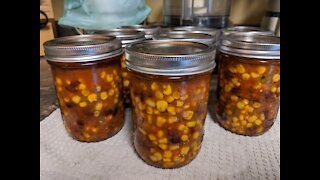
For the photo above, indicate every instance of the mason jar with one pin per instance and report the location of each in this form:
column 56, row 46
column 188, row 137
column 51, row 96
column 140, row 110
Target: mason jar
column 126, row 36
column 87, row 76
column 249, row 83
column 169, row 92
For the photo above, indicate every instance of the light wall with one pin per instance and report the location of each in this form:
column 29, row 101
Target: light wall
column 245, row 12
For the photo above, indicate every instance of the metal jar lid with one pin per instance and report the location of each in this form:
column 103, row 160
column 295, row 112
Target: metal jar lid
column 245, row 30
column 149, row 30
column 170, row 58
column 251, row 46
column 126, row 36
column 82, row 48
column 196, row 29
column 186, row 36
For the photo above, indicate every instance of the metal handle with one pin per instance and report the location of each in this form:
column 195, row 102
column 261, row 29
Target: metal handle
column 45, row 22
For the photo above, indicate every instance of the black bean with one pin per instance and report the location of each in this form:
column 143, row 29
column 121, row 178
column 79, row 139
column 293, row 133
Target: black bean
column 174, row 136
column 73, row 87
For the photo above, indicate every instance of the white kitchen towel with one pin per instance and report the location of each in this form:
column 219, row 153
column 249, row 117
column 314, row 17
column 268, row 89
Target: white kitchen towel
column 223, row 156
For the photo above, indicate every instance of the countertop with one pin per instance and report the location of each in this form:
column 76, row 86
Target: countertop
column 48, row 99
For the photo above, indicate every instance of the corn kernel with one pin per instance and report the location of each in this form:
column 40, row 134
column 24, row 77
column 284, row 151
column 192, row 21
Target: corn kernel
column 169, row 99
column 250, row 109
column 124, row 74
column 228, row 112
column 234, row 98
column 235, row 124
column 187, row 115
column 126, row 83
column 173, row 147
column 240, row 105
column 85, row 92
column 172, row 119
column 163, row 140
column 273, row 89
column 153, row 158
column 246, row 101
column 258, row 86
column 171, row 110
column 191, row 124
column 258, row 122
column 235, row 119
column 111, row 92
column 181, row 127
column 94, row 130
column 152, row 137
column 167, row 154
column 82, row 86
column 232, row 69
column 176, row 158
column 252, row 118
column 179, row 103
column 227, row 88
column 278, row 90
column 254, row 75
column 104, row 95
column 159, row 95
column 184, row 137
column 83, row 104
column 142, row 131
column 261, row 69
column 245, row 76
column 243, row 123
column 276, row 78
column 262, row 117
column 96, row 114
column 240, row 68
column 163, row 146
column 167, row 160
column 149, row 110
column 167, row 90
column 92, row 97
column 68, row 82
column 195, row 135
column 98, row 106
column 160, row 121
column 234, row 80
column 249, row 125
column 162, row 105
column 66, row 99
column 176, row 95
column 150, row 102
column 154, row 86
column 109, row 117
column 103, row 75
column 58, row 81
column 156, row 112
column 158, row 155
column 86, row 135
column 160, row 133
column 256, row 105
column 241, row 117
column 149, row 119
column 184, row 150
column 109, row 77
column 238, row 84
column 76, row 99
column 123, row 65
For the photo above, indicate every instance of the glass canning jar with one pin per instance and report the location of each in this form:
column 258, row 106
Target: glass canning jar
column 249, row 83
column 87, row 76
column 169, row 91
column 126, row 36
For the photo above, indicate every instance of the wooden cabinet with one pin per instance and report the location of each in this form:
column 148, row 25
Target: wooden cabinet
column 47, row 32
